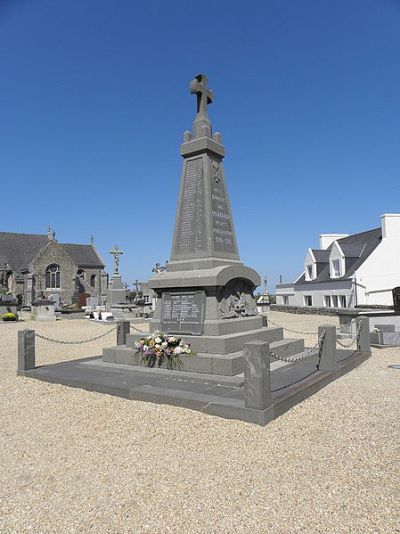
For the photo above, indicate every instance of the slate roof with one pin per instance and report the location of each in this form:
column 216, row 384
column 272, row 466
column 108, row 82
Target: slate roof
column 83, row 255
column 356, row 249
column 18, row 250
column 321, row 256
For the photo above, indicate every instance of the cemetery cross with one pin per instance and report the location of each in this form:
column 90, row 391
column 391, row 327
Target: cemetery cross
column 116, row 253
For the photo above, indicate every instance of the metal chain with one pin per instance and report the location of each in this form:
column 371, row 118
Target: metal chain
column 137, row 330
column 61, row 342
column 289, row 330
column 294, row 382
column 320, row 344
column 353, row 340
column 357, row 339
column 309, row 354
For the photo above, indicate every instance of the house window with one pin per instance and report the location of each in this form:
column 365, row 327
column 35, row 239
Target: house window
column 343, row 303
column 80, row 273
column 307, row 300
column 335, row 272
column 53, row 279
column 93, row 280
column 285, row 301
column 327, row 301
column 309, row 272
column 335, row 301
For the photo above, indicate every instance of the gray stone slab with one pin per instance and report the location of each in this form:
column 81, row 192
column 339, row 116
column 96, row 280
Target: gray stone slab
column 209, row 398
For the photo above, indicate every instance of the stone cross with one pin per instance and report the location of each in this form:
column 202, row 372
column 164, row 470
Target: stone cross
column 201, row 124
column 116, row 253
column 198, row 86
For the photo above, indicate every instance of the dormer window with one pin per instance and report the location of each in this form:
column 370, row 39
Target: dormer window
column 309, row 272
column 335, row 269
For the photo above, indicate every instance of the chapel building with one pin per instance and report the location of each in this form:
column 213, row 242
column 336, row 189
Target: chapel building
column 37, row 266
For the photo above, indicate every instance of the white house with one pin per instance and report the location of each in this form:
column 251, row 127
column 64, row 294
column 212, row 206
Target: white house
column 349, row 270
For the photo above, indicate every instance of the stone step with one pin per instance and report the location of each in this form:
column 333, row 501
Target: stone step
column 226, row 344
column 213, row 364
column 277, row 364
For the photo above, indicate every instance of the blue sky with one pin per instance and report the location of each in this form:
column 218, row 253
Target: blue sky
column 94, row 100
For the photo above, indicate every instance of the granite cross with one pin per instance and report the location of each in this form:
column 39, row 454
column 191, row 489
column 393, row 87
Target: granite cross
column 116, row 253
column 198, row 86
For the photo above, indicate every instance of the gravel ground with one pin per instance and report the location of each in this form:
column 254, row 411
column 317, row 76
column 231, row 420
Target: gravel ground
column 76, row 461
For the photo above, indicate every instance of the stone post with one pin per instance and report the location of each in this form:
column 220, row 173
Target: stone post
column 328, row 354
column 364, row 342
column 257, row 377
column 123, row 328
column 26, row 350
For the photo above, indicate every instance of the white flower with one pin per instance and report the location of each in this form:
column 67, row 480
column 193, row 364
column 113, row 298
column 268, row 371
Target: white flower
column 171, row 339
column 178, row 350
column 158, row 346
column 158, row 340
column 164, row 344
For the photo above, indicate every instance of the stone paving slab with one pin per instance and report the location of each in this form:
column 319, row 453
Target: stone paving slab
column 224, row 398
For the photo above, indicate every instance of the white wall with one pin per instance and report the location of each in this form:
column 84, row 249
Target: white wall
column 327, row 239
column 318, row 291
column 380, row 272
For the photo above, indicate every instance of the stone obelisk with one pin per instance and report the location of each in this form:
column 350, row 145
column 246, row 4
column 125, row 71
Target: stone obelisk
column 206, row 293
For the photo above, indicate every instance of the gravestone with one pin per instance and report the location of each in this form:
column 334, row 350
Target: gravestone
column 205, row 292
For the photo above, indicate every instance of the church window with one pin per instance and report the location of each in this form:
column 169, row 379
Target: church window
column 93, row 280
column 53, row 279
column 80, row 273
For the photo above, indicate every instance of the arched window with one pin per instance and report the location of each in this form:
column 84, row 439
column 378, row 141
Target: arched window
column 53, row 278
column 93, row 280
column 80, row 273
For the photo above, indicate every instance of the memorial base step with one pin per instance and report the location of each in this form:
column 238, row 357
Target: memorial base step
column 216, row 364
column 226, row 344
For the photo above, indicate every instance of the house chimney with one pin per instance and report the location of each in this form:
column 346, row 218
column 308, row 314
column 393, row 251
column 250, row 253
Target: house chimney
column 325, row 240
column 390, row 224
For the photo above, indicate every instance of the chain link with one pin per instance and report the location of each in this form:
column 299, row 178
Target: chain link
column 353, row 340
column 294, row 382
column 137, row 330
column 357, row 339
column 319, row 344
column 289, row 330
column 62, row 342
column 310, row 353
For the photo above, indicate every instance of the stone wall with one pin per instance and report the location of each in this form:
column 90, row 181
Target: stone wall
column 54, row 253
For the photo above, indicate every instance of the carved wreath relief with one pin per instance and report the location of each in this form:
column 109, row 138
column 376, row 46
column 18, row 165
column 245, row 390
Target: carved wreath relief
column 236, row 300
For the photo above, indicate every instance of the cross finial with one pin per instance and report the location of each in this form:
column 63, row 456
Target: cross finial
column 116, row 253
column 198, row 87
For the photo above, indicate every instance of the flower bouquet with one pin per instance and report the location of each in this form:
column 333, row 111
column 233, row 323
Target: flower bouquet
column 159, row 347
column 9, row 316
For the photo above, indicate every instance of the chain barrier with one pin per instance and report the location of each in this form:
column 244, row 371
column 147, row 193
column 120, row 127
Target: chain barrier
column 353, row 340
column 137, row 330
column 62, row 342
column 310, row 353
column 319, row 344
column 289, row 330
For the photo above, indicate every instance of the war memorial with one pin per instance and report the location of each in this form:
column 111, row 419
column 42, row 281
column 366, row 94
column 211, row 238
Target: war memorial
column 241, row 366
